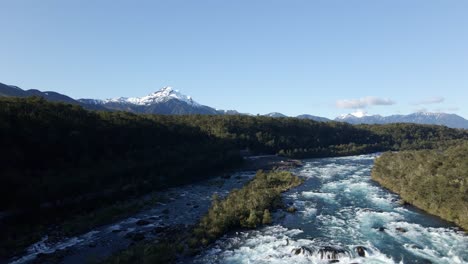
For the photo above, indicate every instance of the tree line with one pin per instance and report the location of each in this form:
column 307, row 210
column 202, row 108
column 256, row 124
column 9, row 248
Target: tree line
column 59, row 160
column 54, row 151
column 433, row 180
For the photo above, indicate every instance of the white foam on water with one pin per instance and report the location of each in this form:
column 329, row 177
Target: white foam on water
column 308, row 212
column 445, row 244
column 45, row 247
column 377, row 219
column 384, row 201
column 328, row 171
column 277, row 244
column 359, row 157
column 330, row 220
column 322, row 195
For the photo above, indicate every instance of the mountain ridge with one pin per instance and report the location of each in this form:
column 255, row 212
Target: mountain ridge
column 430, row 118
column 168, row 101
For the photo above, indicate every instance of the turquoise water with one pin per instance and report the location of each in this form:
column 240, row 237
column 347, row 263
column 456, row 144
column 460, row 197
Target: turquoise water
column 339, row 209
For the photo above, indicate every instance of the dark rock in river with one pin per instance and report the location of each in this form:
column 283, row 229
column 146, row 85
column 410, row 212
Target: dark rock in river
column 403, row 203
column 301, row 251
column 381, row 229
column 291, row 209
column 165, row 211
column 361, row 251
column 159, row 229
column 401, row 229
column 142, row 222
column 135, row 236
column 330, row 252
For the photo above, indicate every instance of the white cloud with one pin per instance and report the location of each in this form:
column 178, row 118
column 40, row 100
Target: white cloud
column 438, row 110
column 363, row 102
column 448, row 109
column 421, row 110
column 432, row 100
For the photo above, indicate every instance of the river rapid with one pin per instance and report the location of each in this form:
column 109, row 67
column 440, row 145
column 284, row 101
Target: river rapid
column 340, row 209
column 341, row 214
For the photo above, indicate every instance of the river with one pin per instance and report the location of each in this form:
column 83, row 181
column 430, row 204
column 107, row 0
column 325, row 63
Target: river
column 339, row 210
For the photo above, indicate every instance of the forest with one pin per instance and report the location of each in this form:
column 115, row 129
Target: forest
column 433, row 180
column 248, row 207
column 59, row 160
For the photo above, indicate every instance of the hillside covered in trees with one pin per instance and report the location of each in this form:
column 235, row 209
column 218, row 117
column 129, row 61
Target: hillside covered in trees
column 51, row 151
column 248, row 207
column 54, row 150
column 433, row 180
column 60, row 160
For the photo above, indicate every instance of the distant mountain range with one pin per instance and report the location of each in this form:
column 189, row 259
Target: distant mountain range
column 15, row 91
column 166, row 101
column 450, row 120
column 171, row 102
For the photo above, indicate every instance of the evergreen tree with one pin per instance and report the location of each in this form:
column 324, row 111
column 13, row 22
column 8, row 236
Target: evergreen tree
column 266, row 217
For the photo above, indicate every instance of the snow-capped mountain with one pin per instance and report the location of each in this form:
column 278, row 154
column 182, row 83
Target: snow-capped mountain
column 450, row 120
column 357, row 114
column 275, row 114
column 161, row 96
column 165, row 101
column 361, row 117
column 171, row 102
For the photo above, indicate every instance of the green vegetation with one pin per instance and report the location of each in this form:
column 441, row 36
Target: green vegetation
column 247, row 207
column 60, row 161
column 433, row 180
column 299, row 138
column 157, row 252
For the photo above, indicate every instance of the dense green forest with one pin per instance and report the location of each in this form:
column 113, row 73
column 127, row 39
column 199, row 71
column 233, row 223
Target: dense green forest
column 51, row 151
column 300, row 138
column 60, row 160
column 247, row 207
column 433, row 180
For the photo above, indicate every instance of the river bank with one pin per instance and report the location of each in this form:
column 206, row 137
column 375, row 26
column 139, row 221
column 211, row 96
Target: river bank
column 342, row 217
column 339, row 209
column 246, row 208
column 57, row 244
column 269, row 162
column 432, row 180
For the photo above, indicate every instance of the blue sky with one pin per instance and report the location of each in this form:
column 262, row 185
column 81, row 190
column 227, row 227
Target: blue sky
column 324, row 58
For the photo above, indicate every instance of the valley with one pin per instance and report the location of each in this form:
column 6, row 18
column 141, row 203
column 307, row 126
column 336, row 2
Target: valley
column 339, row 209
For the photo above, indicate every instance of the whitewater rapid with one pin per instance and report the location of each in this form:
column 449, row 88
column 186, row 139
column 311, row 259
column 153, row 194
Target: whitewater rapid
column 338, row 207
column 341, row 208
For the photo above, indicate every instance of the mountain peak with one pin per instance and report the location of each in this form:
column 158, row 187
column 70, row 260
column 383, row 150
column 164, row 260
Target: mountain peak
column 359, row 114
column 275, row 114
column 165, row 91
column 163, row 95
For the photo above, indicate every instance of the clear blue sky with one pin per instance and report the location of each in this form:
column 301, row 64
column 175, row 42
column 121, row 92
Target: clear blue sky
column 318, row 57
